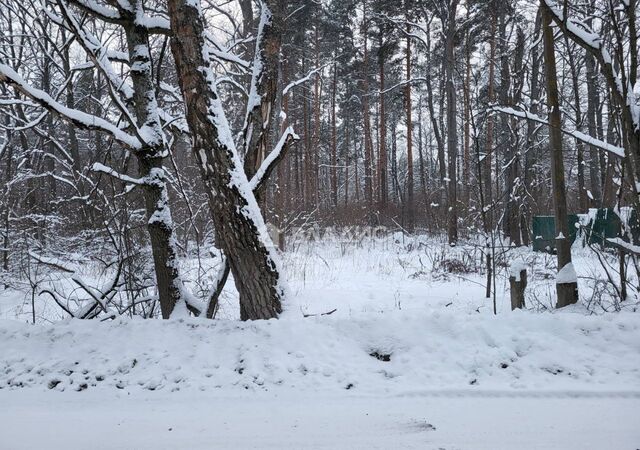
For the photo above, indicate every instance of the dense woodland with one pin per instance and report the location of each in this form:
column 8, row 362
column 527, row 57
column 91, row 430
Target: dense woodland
column 140, row 132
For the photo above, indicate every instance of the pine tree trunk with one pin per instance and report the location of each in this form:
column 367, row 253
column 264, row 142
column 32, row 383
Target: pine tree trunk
column 410, row 202
column 423, row 173
column 467, row 122
column 334, row 138
column 368, row 145
column 452, row 129
column 488, row 187
column 508, row 140
column 382, row 141
column 530, row 184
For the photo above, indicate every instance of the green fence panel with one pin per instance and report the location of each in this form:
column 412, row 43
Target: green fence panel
column 544, row 232
column 607, row 224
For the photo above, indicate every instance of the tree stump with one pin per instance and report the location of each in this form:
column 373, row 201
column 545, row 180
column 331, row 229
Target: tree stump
column 517, row 283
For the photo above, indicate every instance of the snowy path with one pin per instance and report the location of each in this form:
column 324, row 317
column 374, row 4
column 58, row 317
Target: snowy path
column 36, row 420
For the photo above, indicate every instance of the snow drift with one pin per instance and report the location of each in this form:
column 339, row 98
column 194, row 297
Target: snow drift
column 397, row 352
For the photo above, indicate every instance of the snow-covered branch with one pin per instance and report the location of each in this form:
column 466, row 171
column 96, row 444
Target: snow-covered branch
column 590, row 140
column 79, row 118
column 101, row 168
column 593, row 43
column 303, row 80
column 273, row 158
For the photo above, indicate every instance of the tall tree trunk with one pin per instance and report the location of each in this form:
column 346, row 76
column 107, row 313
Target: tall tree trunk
column 315, row 156
column 452, row 130
column 347, row 156
column 467, row 120
column 308, row 160
column 518, row 200
column 334, row 140
column 382, row 141
column 6, row 194
column 583, row 200
column 511, row 224
column 423, row 173
column 592, row 111
column 150, row 166
column 566, row 284
column 240, row 229
column 442, row 167
column 368, row 145
column 530, row 184
column 410, row 204
column 488, row 186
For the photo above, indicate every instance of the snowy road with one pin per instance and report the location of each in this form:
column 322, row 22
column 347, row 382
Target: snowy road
column 98, row 420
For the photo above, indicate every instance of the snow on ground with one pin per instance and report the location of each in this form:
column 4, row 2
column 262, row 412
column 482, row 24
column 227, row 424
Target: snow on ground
column 395, row 353
column 413, row 357
column 204, row 421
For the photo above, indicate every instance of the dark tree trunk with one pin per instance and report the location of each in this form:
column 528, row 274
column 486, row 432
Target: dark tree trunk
column 150, row 167
column 239, row 227
column 583, row 199
column 334, row 143
column 452, row 129
column 382, row 140
column 368, row 144
column 567, row 288
column 488, row 186
column 410, row 203
column 592, row 112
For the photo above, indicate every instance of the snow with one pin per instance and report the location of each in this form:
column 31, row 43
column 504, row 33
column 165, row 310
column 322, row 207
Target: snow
column 567, row 275
column 99, row 9
column 590, row 140
column 237, row 176
column 7, row 74
column 99, row 167
column 272, row 156
column 412, row 358
column 156, row 23
column 427, row 350
column 630, row 248
column 202, row 421
column 255, row 98
column 516, row 268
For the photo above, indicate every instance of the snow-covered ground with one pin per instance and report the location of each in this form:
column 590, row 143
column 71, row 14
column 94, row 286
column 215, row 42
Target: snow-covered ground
column 412, row 357
column 203, row 421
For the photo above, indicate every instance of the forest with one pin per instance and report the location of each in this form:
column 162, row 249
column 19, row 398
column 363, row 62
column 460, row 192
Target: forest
column 397, row 182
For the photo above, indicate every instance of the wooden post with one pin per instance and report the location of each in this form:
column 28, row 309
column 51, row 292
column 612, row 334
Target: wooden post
column 517, row 283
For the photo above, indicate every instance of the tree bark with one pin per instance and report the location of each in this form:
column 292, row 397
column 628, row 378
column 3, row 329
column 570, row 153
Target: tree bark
column 452, row 131
column 410, row 203
column 240, row 229
column 567, row 289
column 368, row 144
column 488, row 186
column 150, row 167
column 382, row 140
column 334, row 138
